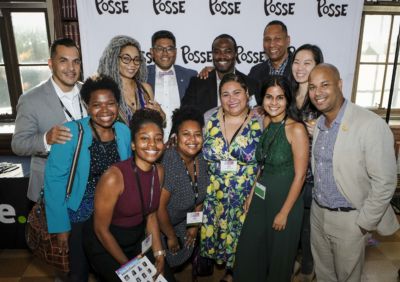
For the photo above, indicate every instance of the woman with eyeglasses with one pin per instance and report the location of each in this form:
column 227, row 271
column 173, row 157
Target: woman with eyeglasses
column 123, row 60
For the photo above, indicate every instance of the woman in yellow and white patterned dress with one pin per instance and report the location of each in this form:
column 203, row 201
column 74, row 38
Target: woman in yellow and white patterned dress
column 231, row 136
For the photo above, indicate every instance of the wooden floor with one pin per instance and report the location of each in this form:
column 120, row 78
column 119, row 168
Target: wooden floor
column 382, row 264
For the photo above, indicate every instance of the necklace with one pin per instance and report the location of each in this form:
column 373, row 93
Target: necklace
column 193, row 182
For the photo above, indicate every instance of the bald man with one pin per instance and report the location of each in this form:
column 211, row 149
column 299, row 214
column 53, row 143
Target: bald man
column 355, row 177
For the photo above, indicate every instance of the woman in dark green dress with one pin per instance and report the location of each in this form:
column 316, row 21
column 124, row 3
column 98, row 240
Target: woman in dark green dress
column 268, row 243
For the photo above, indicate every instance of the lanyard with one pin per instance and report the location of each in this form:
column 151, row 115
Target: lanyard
column 194, row 184
column 66, row 110
column 270, row 143
column 134, row 167
column 96, row 134
column 237, row 131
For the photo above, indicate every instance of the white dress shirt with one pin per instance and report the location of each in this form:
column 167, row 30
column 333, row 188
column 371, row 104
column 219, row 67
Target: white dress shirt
column 72, row 103
column 166, row 93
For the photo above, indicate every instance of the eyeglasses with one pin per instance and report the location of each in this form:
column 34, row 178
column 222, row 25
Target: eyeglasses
column 126, row 59
column 160, row 49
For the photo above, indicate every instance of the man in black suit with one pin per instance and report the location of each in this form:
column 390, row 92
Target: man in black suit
column 203, row 93
column 276, row 42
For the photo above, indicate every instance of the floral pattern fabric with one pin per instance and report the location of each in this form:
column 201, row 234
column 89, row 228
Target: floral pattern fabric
column 223, row 206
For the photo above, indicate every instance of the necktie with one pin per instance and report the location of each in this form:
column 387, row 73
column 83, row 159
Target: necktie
column 164, row 73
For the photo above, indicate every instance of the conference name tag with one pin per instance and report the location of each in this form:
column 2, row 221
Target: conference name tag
column 260, row 190
column 194, row 218
column 229, row 166
column 146, row 244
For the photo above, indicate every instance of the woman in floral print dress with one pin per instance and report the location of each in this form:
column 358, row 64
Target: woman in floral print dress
column 231, row 136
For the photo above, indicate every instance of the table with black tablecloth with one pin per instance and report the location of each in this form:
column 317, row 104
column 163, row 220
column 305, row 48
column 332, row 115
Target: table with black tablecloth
column 14, row 205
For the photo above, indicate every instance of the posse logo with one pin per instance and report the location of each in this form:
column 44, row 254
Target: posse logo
column 112, row 7
column 201, row 57
column 224, row 7
column 278, row 8
column 8, row 214
column 331, row 9
column 169, row 7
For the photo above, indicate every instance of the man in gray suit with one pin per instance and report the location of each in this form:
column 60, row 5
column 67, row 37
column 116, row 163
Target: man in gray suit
column 355, row 177
column 42, row 110
column 169, row 81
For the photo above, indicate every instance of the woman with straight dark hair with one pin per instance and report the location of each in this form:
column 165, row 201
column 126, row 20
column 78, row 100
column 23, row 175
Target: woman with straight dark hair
column 271, row 232
column 305, row 59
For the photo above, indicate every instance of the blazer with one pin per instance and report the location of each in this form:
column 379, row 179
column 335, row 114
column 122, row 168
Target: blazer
column 58, row 168
column 182, row 74
column 260, row 72
column 203, row 93
column 38, row 110
column 364, row 168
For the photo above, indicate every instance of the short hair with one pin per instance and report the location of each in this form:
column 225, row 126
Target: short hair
column 333, row 69
column 276, row 22
column 162, row 34
column 99, row 82
column 142, row 117
column 284, row 84
column 67, row 42
column 183, row 114
column 233, row 77
column 109, row 61
column 225, row 36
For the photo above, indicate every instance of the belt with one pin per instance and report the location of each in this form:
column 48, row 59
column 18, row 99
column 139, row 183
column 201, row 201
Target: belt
column 340, row 209
column 42, row 156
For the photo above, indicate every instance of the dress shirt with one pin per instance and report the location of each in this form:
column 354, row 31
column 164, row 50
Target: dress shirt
column 167, row 94
column 72, row 103
column 326, row 192
column 280, row 70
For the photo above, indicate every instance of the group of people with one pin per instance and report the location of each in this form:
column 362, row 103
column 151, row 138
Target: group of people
column 248, row 170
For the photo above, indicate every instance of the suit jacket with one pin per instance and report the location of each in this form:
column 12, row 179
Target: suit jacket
column 182, row 74
column 203, row 93
column 58, row 168
column 260, row 72
column 364, row 168
column 38, row 110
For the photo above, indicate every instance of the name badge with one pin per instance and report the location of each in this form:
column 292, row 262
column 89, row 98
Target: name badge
column 194, row 218
column 260, row 190
column 229, row 166
column 146, row 244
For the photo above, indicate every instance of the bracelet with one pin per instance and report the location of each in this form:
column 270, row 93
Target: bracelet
column 159, row 253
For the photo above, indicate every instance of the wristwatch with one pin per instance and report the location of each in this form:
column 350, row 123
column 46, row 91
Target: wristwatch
column 159, row 253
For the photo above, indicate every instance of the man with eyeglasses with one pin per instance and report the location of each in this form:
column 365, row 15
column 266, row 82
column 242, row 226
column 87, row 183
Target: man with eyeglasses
column 42, row 110
column 168, row 80
column 203, row 93
column 276, row 42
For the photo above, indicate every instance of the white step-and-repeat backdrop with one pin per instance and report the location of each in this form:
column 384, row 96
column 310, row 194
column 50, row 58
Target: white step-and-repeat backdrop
column 333, row 25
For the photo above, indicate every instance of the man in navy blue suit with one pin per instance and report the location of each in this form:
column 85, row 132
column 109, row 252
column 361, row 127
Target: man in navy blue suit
column 168, row 80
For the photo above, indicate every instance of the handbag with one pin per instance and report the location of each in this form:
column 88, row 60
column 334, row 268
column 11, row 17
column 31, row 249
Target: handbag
column 43, row 244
